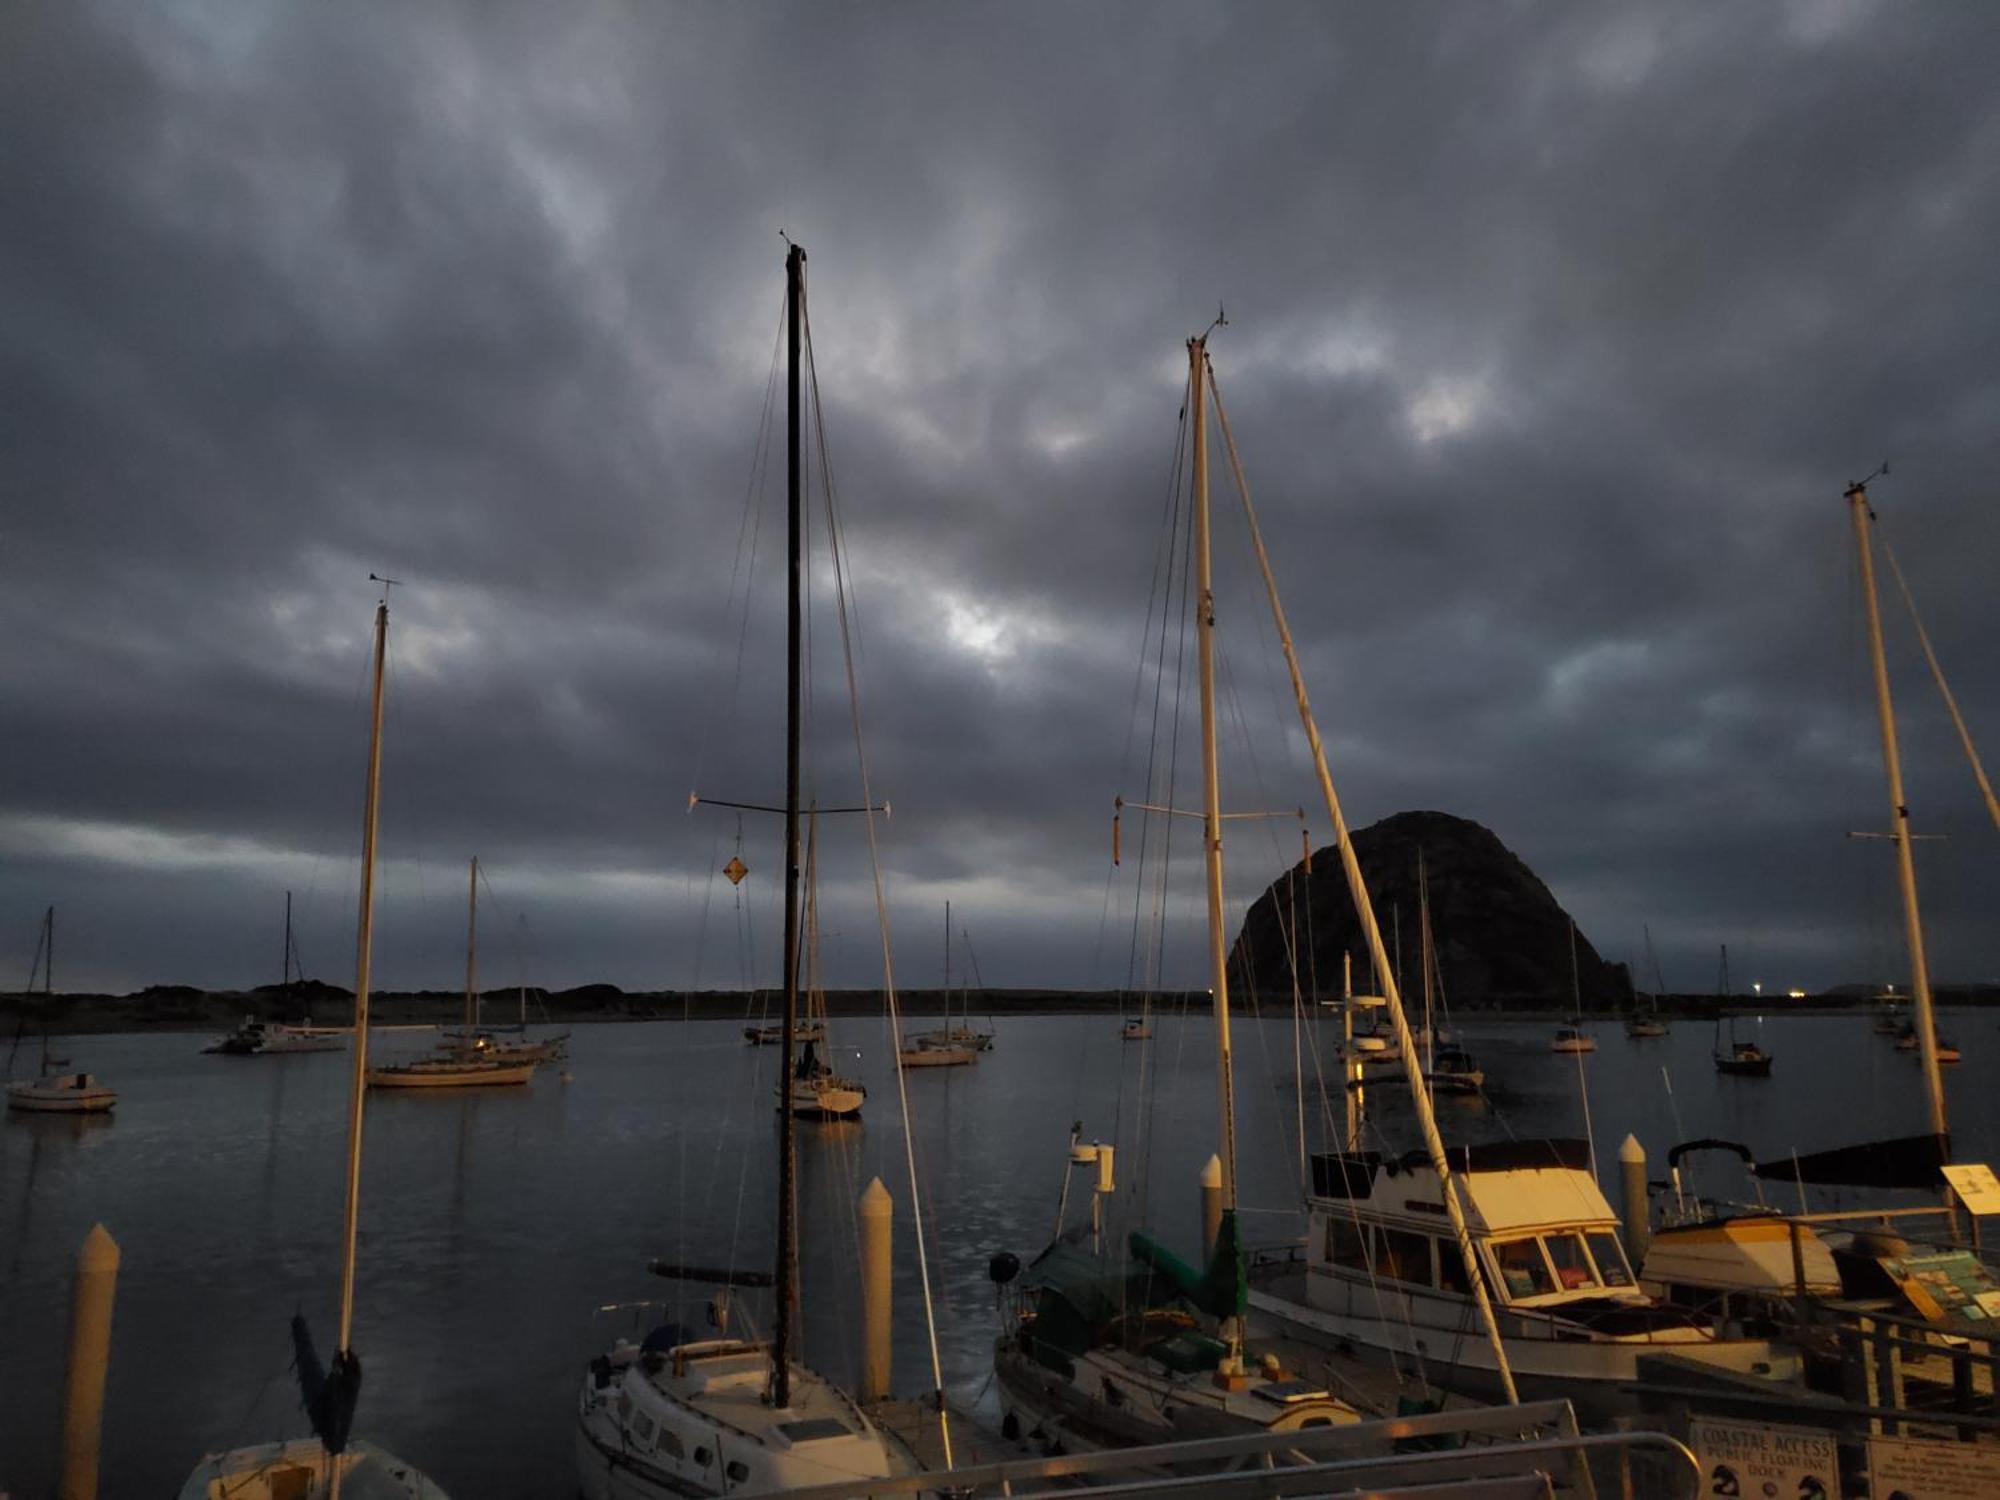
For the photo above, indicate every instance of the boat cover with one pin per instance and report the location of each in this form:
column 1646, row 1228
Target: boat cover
column 1912, row 1161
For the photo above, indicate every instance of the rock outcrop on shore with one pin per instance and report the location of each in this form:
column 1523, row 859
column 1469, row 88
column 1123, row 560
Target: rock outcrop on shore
column 1502, row 939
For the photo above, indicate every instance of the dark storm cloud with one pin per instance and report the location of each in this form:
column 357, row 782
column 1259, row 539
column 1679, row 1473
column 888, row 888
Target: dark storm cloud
column 1554, row 332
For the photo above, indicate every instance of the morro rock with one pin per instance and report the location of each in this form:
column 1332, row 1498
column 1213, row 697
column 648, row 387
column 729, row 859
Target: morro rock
column 1501, row 938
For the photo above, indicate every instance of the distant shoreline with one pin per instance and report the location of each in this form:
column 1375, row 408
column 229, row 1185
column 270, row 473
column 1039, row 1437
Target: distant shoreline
column 184, row 1009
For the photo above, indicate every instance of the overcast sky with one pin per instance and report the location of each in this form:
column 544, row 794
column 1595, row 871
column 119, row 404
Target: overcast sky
column 1555, row 333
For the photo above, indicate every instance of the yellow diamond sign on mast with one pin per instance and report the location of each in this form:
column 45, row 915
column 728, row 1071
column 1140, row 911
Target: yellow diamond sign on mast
column 736, row 870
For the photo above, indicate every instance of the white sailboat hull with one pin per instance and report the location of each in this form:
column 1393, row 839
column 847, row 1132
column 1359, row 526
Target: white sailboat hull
column 682, row 1429
column 68, row 1094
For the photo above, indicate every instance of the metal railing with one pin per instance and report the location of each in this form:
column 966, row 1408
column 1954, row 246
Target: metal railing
column 1487, row 1453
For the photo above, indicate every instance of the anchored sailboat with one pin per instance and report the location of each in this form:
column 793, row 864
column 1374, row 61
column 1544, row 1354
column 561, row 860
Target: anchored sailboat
column 962, row 1033
column 259, row 1038
column 469, row 1059
column 680, row 1416
column 322, row 1466
column 54, row 1089
column 1743, row 1059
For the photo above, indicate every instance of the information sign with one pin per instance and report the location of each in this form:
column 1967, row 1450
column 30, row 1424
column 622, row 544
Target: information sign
column 1759, row 1460
column 1927, row 1469
column 1977, row 1188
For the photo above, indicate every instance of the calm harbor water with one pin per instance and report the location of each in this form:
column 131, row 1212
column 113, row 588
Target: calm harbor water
column 496, row 1224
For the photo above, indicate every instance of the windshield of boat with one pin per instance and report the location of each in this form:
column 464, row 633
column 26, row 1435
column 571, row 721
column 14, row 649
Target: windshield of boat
column 1523, row 1271
column 1612, row 1268
column 1571, row 1261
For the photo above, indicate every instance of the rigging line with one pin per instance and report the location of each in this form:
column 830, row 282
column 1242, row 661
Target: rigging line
column 1165, row 795
column 750, row 524
column 840, row 583
column 1937, row 673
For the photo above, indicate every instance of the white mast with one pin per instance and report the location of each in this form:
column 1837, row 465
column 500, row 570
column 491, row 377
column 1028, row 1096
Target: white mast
column 1364, row 910
column 363, row 953
column 1211, row 784
column 1899, row 816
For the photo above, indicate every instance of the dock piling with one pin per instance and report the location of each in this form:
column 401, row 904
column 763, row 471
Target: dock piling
column 89, row 1362
column 878, row 1212
column 1632, row 1176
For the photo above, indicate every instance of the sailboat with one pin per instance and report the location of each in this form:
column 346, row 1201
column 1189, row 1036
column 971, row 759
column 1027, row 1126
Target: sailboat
column 477, row 1037
column 813, row 1090
column 54, row 1089
column 963, row 1033
column 1641, row 1025
column 683, row 1416
column 1744, row 1059
column 260, row 1038
column 1449, row 1068
column 1100, row 1353
column 949, row 1046
column 467, row 1060
column 331, row 1463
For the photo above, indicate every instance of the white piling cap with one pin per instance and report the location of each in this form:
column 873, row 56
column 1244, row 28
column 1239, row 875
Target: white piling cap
column 1631, row 1152
column 1211, row 1175
column 876, row 1202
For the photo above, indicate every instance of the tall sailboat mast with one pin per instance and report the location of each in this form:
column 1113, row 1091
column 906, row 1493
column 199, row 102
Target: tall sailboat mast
column 787, row 1269
column 1371, row 930
column 1211, row 784
column 472, row 950
column 363, row 953
column 1899, row 815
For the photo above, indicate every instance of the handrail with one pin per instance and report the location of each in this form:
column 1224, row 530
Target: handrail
column 1317, row 1459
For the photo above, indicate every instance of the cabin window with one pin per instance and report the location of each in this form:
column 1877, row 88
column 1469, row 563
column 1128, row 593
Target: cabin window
column 642, row 1428
column 1347, row 1243
column 1451, row 1267
column 1523, row 1272
column 1612, row 1269
column 737, row 1470
column 703, row 1457
column 1572, row 1262
column 1404, row 1255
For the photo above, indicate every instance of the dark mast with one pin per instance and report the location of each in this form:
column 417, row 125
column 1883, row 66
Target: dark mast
column 787, row 1270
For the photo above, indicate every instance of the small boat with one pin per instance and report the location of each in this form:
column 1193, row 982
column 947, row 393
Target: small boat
column 815, row 1091
column 1641, row 1025
column 1906, row 1041
column 1573, row 1039
column 961, row 1033
column 62, row 1093
column 55, row 1088
column 927, row 1052
column 1136, row 1029
column 469, row 1057
column 1744, row 1060
column 1741, row 1059
column 1454, row 1071
column 255, row 1038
